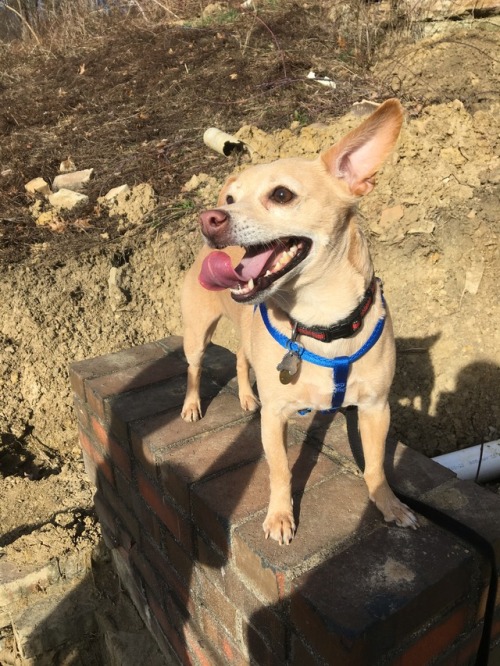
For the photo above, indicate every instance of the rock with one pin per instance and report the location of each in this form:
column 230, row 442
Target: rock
column 115, row 192
column 67, row 199
column 194, row 182
column 425, row 226
column 391, row 215
column 133, row 206
column 75, row 180
column 117, row 294
column 38, row 186
column 67, row 166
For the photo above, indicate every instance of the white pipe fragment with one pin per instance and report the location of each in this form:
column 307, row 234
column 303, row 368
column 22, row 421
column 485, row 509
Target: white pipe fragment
column 465, row 461
column 221, row 142
column 323, row 80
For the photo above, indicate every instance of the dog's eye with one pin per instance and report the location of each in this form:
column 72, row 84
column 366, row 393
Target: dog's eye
column 229, row 199
column 282, row 195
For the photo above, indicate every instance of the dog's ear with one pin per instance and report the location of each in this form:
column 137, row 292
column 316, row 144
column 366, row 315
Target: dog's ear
column 357, row 157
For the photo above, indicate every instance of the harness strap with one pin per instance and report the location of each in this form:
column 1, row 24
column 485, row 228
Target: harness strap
column 340, row 365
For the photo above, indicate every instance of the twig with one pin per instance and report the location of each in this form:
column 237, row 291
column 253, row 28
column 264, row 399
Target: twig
column 24, row 21
column 275, row 40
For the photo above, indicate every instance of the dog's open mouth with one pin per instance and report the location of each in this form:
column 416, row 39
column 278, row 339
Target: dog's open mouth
column 259, row 268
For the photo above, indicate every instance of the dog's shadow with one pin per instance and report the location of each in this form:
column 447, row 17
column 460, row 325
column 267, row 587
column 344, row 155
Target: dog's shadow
column 465, row 416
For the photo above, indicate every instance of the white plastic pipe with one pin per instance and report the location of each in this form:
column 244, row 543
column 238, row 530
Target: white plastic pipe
column 221, row 142
column 465, row 462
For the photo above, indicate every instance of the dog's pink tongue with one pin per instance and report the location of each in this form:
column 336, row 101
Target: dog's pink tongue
column 217, row 272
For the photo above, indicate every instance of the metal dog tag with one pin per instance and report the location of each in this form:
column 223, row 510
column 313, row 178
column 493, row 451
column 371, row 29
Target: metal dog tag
column 288, row 367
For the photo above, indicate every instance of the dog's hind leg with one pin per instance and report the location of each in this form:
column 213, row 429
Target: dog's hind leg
column 200, row 313
column 373, row 426
column 248, row 400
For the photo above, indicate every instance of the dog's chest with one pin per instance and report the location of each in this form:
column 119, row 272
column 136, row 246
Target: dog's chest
column 313, row 388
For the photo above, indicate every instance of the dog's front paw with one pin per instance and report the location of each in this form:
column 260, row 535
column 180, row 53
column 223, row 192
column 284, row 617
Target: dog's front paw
column 280, row 526
column 249, row 402
column 191, row 411
column 394, row 511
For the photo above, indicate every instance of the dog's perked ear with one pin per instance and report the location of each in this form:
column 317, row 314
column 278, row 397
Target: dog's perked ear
column 357, row 157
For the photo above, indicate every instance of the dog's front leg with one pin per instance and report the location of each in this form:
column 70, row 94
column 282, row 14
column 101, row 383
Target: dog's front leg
column 279, row 523
column 373, row 427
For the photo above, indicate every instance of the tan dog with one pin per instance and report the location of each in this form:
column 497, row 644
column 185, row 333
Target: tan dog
column 301, row 253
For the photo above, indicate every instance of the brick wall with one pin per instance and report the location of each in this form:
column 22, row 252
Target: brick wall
column 181, row 507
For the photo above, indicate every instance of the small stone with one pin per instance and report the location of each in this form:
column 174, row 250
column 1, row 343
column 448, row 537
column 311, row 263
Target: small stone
column 116, row 191
column 67, row 199
column 391, row 215
column 67, row 166
column 75, row 181
column 38, row 186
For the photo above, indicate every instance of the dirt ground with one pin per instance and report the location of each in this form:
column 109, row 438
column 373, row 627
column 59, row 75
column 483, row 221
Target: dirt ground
column 132, row 102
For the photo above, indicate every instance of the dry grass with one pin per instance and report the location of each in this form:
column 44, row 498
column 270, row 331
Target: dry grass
column 359, row 26
column 64, row 21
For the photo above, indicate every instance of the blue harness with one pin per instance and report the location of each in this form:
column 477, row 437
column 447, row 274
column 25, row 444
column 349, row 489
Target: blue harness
column 339, row 365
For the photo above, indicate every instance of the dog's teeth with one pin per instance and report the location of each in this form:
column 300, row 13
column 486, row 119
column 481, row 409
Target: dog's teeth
column 267, row 273
column 250, row 285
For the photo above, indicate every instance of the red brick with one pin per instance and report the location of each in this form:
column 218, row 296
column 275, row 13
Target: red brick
column 88, row 369
column 144, row 569
column 144, row 455
column 260, row 576
column 173, row 344
column 301, row 655
column 197, row 647
column 127, row 518
column 220, row 641
column 436, row 640
column 102, row 464
column 183, row 589
column 132, row 378
column 464, row 651
column 213, row 453
column 90, row 468
column 124, row 489
column 258, row 650
column 410, row 472
column 115, row 451
column 178, row 524
column 223, row 610
column 107, row 521
column 143, row 404
column 461, row 499
column 81, row 413
column 220, row 365
column 130, row 582
column 160, row 431
column 176, row 641
column 225, row 501
column 402, row 579
column 173, row 655
column 261, row 617
column 210, row 561
column 324, row 430
column 271, row 567
column 483, row 600
column 150, row 523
